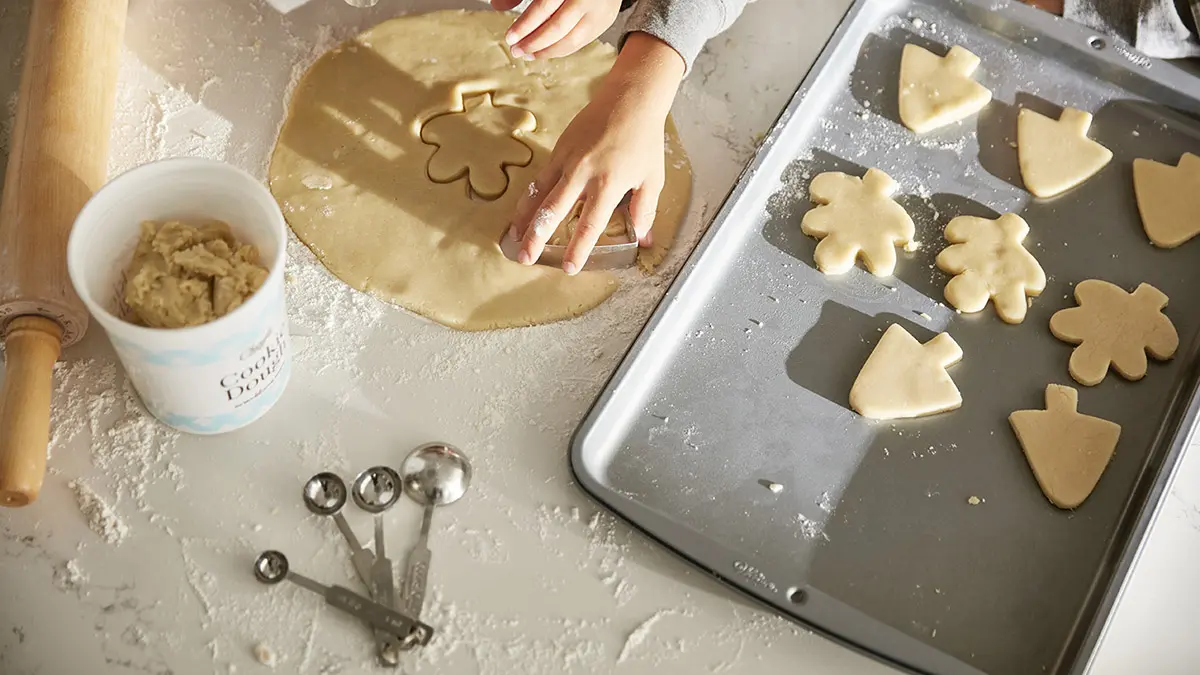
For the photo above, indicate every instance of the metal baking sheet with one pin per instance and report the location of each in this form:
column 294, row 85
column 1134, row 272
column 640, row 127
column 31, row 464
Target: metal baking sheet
column 741, row 376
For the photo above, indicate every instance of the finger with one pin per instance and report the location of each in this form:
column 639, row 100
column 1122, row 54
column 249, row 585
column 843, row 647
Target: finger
column 548, row 216
column 504, row 5
column 575, row 40
column 534, row 16
column 551, row 31
column 528, row 204
column 592, row 223
column 643, row 207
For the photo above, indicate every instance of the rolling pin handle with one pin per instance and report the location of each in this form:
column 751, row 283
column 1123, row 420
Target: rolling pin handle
column 31, row 347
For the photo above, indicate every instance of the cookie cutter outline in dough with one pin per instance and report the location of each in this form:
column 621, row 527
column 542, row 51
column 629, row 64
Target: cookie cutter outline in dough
column 488, row 96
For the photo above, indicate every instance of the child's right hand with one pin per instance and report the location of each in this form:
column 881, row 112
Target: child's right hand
column 552, row 28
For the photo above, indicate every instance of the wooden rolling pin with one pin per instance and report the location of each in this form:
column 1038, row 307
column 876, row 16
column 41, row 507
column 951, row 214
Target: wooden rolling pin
column 58, row 158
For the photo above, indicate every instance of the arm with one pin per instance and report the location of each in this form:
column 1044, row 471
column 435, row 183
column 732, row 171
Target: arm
column 685, row 25
column 613, row 146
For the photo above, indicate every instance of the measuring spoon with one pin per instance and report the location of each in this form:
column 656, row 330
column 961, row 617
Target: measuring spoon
column 325, row 495
column 272, row 567
column 435, row 474
column 375, row 491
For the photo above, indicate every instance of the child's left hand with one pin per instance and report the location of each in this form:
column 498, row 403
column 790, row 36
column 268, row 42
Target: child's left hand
column 552, row 28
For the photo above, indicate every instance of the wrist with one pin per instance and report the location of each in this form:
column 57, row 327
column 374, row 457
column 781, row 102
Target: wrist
column 647, row 73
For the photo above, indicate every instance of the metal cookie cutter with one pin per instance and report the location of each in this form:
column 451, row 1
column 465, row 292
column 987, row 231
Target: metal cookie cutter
column 617, row 248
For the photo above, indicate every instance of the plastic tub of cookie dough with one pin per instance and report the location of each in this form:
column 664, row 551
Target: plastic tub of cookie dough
column 228, row 363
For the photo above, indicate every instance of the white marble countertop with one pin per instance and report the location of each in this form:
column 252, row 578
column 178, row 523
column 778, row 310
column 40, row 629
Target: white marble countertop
column 136, row 559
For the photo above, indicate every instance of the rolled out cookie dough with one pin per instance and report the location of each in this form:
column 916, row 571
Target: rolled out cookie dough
column 1067, row 450
column 990, row 262
column 1168, row 199
column 351, row 170
column 186, row 275
column 1114, row 328
column 903, row 378
column 1057, row 155
column 856, row 218
column 938, row 90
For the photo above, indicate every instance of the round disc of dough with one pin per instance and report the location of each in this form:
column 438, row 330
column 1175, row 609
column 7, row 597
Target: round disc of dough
column 350, row 170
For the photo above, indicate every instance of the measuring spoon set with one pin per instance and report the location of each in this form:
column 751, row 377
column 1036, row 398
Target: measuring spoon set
column 433, row 475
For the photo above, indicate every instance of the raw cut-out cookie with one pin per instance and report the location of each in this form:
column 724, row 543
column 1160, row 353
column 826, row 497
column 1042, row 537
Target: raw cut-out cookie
column 479, row 141
column 904, row 378
column 1168, row 198
column 990, row 264
column 938, row 90
column 856, row 218
column 1057, row 155
column 1067, row 450
column 1114, row 328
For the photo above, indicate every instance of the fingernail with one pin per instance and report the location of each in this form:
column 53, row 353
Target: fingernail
column 517, row 52
column 512, row 232
column 510, row 38
column 648, row 239
column 527, row 57
column 571, row 269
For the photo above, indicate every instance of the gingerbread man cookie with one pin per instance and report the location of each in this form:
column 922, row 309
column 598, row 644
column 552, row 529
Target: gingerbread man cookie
column 1114, row 328
column 990, row 263
column 857, row 217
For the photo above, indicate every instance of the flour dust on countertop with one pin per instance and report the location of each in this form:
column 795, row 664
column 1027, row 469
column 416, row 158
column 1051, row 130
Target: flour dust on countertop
column 150, row 534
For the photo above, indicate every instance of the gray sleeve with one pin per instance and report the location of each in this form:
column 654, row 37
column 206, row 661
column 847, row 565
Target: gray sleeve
column 685, row 25
column 1153, row 27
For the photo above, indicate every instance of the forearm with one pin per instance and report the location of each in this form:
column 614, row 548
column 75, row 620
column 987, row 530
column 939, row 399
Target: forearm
column 685, row 25
column 648, row 72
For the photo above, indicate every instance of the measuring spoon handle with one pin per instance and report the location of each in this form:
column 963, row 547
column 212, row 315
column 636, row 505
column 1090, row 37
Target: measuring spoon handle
column 347, row 533
column 415, row 578
column 377, row 615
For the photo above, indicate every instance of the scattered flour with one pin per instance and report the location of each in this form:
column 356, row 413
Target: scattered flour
column 637, row 637
column 69, row 576
column 809, row 528
column 825, row 502
column 101, row 517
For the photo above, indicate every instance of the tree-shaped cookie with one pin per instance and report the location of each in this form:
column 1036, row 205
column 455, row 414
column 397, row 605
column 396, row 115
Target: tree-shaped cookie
column 1057, row 155
column 479, row 141
column 938, row 90
column 856, row 217
column 1168, row 198
column 1114, row 328
column 990, row 263
column 1067, row 450
column 904, row 378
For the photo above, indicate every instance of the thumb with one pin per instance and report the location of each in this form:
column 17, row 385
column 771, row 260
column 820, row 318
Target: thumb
column 642, row 208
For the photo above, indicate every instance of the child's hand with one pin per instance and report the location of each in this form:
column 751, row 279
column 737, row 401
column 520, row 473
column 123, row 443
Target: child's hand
column 614, row 146
column 552, row 28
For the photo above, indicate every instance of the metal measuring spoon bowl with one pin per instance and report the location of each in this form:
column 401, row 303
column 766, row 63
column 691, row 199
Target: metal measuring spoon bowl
column 271, row 567
column 376, row 489
column 436, row 474
column 325, row 494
